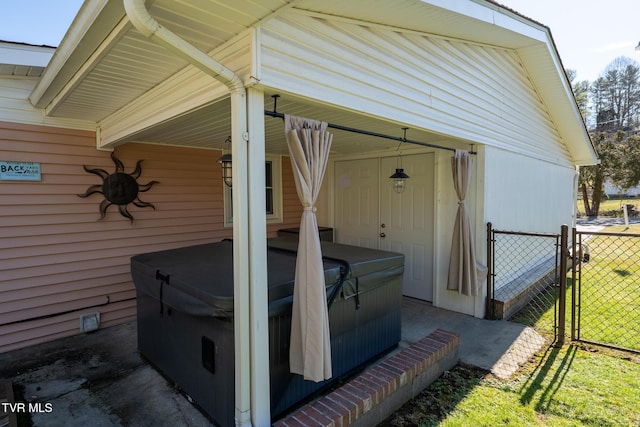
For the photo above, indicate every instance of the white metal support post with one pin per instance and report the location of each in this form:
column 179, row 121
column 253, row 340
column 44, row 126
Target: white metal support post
column 241, row 258
column 151, row 28
column 258, row 292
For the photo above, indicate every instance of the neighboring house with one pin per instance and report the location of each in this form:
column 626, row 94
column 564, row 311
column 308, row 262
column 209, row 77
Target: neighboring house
column 468, row 75
column 613, row 191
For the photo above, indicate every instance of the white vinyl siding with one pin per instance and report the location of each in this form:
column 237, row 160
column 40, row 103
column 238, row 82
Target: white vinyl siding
column 16, row 108
column 477, row 93
column 526, row 194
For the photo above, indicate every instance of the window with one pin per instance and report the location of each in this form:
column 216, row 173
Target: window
column 268, row 179
column 273, row 193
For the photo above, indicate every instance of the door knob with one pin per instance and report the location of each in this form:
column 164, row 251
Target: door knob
column 383, row 235
column 383, row 225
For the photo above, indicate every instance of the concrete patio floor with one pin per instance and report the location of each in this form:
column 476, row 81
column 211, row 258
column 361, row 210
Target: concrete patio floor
column 99, row 379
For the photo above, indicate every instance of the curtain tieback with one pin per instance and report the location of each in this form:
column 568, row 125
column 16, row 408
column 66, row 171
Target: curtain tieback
column 310, row 208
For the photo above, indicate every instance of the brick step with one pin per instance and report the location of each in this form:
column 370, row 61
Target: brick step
column 379, row 391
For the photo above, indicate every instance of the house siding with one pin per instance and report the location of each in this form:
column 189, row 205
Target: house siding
column 59, row 261
column 16, row 108
column 526, row 194
column 479, row 94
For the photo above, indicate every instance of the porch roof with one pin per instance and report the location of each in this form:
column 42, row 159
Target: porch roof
column 103, row 64
column 23, row 60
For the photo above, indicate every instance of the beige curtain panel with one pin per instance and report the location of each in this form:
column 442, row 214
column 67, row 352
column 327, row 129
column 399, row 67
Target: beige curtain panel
column 465, row 273
column 310, row 353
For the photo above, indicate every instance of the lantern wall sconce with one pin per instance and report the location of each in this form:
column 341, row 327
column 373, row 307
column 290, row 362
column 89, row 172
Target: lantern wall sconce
column 399, row 177
column 225, row 161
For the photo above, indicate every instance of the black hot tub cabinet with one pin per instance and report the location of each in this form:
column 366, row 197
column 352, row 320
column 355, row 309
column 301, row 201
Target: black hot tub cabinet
column 185, row 317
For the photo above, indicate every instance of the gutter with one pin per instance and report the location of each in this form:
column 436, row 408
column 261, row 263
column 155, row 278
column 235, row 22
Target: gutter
column 151, row 28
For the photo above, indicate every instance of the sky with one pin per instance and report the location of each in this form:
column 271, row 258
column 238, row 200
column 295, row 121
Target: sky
column 588, row 34
column 38, row 22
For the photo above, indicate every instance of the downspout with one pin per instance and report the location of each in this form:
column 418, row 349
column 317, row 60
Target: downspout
column 576, row 187
column 151, row 28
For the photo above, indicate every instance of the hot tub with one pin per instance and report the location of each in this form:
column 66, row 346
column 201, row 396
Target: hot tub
column 185, row 317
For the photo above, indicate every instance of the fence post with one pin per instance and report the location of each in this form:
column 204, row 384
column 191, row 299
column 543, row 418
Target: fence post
column 564, row 242
column 575, row 263
column 489, row 301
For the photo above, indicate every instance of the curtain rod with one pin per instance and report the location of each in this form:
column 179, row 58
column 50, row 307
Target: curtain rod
column 276, row 114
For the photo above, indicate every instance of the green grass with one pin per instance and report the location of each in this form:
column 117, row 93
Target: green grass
column 568, row 386
column 609, row 305
column 611, row 207
column 576, row 385
column 616, row 204
column 610, row 294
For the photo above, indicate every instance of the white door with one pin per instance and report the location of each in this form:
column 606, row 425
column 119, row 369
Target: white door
column 369, row 213
column 357, row 200
column 406, row 221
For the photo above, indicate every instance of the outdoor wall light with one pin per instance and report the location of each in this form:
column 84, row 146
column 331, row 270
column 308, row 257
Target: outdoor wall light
column 225, row 161
column 399, row 178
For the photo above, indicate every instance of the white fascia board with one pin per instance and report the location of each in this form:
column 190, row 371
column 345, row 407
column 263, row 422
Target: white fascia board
column 180, row 94
column 567, row 116
column 107, row 44
column 493, row 14
column 565, row 112
column 66, row 58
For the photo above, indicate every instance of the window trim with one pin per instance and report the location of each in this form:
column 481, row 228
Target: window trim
column 276, row 181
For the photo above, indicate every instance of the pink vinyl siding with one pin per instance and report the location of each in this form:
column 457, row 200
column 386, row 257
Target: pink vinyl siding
column 58, row 261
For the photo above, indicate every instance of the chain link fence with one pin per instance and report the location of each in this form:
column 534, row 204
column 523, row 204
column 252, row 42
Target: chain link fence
column 606, row 291
column 523, row 278
column 528, row 284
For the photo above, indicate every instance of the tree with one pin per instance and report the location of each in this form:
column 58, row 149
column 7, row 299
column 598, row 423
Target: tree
column 616, row 95
column 580, row 92
column 615, row 100
column 624, row 163
column 619, row 155
column 592, row 177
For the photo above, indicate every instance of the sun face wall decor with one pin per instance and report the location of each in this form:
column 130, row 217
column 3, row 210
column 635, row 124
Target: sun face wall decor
column 119, row 188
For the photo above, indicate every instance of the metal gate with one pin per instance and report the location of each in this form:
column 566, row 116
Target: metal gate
column 606, row 289
column 527, row 283
column 526, row 274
